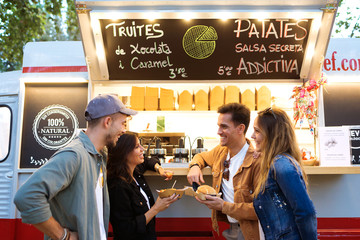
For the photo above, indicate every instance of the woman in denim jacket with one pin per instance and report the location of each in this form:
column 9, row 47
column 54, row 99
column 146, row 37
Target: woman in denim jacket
column 281, row 200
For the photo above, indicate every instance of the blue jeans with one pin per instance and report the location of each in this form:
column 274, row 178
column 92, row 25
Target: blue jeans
column 233, row 233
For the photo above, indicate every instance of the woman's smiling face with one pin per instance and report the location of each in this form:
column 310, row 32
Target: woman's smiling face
column 257, row 136
column 136, row 157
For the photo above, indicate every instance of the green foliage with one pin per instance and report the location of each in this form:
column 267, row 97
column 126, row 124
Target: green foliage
column 23, row 21
column 347, row 22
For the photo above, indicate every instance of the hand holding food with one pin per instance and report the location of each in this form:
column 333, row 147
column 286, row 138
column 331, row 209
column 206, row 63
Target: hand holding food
column 167, row 174
column 164, row 193
column 163, row 203
column 207, row 195
column 212, row 202
column 164, row 173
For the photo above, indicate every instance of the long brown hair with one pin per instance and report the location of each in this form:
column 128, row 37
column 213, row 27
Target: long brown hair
column 279, row 138
column 118, row 156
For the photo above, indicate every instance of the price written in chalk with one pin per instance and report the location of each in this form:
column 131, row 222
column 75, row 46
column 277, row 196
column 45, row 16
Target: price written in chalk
column 225, row 70
column 174, row 72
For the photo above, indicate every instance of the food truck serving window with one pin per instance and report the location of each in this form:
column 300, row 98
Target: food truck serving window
column 5, row 123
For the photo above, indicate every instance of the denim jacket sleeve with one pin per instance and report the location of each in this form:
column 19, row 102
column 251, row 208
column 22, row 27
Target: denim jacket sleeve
column 32, row 198
column 292, row 185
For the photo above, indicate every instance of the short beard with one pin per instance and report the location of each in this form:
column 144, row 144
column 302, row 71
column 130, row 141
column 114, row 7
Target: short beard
column 109, row 142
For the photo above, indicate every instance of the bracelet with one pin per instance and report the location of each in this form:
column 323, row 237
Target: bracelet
column 66, row 234
column 157, row 167
column 194, row 165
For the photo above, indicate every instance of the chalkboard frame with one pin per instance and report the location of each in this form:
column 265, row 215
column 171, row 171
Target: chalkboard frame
column 315, row 16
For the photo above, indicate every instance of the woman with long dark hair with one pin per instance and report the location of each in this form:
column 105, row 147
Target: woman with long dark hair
column 132, row 205
column 281, row 199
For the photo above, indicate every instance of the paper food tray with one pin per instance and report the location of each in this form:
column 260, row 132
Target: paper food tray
column 189, row 191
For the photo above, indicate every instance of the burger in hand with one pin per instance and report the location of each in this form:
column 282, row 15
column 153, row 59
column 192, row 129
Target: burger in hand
column 208, row 196
column 205, row 190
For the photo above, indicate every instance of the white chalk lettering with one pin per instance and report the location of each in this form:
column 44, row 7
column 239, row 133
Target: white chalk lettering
column 277, row 29
column 120, row 51
column 157, row 49
column 148, row 30
column 121, row 66
column 278, row 65
column 286, row 48
column 240, row 47
column 136, row 64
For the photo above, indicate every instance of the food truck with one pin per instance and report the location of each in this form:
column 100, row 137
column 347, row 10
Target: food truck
column 176, row 62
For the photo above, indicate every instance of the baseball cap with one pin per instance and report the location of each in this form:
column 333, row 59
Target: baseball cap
column 104, row 105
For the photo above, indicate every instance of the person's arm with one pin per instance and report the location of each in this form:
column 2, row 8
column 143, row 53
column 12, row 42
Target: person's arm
column 153, row 164
column 195, row 174
column 32, row 198
column 53, row 229
column 240, row 211
column 160, row 205
column 122, row 216
column 291, row 184
column 200, row 161
column 149, row 163
column 167, row 174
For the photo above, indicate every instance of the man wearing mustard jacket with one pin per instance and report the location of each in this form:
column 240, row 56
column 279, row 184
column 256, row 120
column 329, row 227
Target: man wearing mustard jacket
column 235, row 172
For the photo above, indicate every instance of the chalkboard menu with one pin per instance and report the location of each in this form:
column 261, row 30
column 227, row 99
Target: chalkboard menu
column 204, row 49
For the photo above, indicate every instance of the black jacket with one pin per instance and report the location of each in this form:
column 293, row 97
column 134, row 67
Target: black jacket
column 128, row 206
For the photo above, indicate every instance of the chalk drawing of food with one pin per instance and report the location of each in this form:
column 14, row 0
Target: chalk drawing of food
column 199, row 41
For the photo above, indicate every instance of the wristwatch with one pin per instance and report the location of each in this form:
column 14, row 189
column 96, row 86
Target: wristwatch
column 195, row 164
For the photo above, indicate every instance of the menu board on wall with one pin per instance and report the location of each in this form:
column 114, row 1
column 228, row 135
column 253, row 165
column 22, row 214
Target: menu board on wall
column 53, row 115
column 204, row 49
